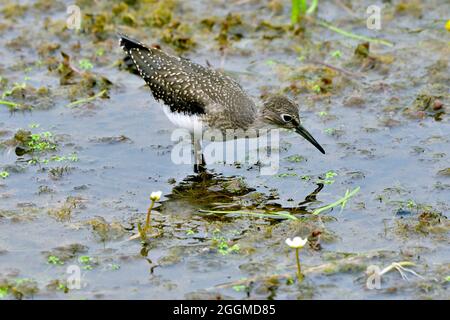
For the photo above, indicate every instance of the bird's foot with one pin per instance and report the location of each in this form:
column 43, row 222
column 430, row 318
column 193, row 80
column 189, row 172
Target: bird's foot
column 199, row 168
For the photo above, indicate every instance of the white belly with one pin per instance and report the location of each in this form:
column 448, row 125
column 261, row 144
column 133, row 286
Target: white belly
column 194, row 123
column 189, row 122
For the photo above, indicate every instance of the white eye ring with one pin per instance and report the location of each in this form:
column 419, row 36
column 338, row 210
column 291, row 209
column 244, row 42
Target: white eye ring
column 286, row 117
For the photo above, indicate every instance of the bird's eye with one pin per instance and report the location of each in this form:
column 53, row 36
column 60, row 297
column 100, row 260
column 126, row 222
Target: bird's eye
column 286, row 117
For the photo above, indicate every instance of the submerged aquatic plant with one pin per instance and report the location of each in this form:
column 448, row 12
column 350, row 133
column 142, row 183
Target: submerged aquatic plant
column 297, row 243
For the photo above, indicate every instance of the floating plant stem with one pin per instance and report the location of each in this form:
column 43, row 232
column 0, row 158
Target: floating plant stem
column 85, row 100
column 9, row 103
column 352, row 35
column 312, row 7
column 300, row 9
column 280, row 215
column 342, row 201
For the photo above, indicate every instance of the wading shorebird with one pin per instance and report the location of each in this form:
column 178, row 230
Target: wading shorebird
column 195, row 96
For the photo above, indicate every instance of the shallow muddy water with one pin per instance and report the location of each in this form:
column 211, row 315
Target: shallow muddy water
column 77, row 196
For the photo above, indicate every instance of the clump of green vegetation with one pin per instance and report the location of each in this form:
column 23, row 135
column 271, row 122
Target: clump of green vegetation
column 413, row 8
column 105, row 231
column 161, row 14
column 58, row 285
column 114, row 266
column 222, row 245
column 40, row 147
column 13, row 11
column 41, row 142
column 81, row 83
column 23, row 97
column 4, row 174
column 230, row 29
column 19, row 288
column 296, row 158
column 336, row 54
column 285, row 175
column 64, row 212
column 426, row 220
column 96, row 25
column 54, row 260
column 85, row 64
column 67, row 252
column 427, row 104
column 87, row 262
column 178, row 35
column 329, row 178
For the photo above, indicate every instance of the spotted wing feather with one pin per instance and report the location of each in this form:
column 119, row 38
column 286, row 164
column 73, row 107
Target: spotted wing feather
column 169, row 82
column 189, row 88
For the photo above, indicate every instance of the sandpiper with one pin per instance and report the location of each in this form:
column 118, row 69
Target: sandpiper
column 194, row 96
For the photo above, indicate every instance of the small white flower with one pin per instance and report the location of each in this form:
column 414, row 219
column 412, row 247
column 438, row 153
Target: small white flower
column 296, row 243
column 155, row 196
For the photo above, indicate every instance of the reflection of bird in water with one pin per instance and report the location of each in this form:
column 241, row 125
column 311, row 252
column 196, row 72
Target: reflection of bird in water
column 200, row 97
column 226, row 193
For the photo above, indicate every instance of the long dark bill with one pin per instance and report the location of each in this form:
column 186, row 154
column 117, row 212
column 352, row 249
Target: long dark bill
column 305, row 134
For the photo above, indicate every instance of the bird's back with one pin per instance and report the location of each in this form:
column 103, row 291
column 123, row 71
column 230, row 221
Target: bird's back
column 190, row 89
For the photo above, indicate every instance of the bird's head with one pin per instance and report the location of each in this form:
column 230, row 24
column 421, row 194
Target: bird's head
column 281, row 112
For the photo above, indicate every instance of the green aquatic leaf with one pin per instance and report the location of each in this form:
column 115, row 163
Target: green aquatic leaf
column 3, row 292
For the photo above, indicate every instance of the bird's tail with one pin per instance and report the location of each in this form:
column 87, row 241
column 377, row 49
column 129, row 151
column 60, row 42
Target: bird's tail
column 128, row 43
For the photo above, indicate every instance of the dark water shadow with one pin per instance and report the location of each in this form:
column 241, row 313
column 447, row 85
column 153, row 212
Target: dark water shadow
column 213, row 191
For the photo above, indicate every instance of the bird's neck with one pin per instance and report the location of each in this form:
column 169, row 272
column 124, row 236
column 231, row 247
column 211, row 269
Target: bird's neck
column 260, row 123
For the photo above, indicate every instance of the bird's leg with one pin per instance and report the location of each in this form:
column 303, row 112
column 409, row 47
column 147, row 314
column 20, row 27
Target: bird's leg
column 199, row 165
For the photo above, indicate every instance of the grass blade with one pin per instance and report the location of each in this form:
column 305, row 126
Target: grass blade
column 343, row 201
